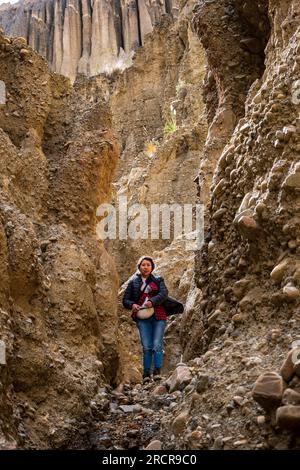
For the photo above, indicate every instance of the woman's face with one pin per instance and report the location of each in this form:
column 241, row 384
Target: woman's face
column 145, row 267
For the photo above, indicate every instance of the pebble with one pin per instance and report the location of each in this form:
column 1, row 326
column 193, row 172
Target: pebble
column 287, row 368
column 240, row 443
column 218, row 443
column 24, row 52
column 179, row 423
column 268, row 390
column 292, row 244
column 279, row 271
column 154, row 445
column 241, row 391
column 291, row 292
column 261, row 419
column 207, row 356
column 195, row 436
column 288, row 417
column 291, row 397
column 237, row 318
column 130, row 408
column 160, row 390
column 238, row 400
column 253, row 361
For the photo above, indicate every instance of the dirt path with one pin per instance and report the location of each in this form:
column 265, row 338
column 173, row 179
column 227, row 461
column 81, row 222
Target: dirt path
column 133, row 418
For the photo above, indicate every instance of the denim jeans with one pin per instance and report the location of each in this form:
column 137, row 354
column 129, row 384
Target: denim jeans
column 152, row 334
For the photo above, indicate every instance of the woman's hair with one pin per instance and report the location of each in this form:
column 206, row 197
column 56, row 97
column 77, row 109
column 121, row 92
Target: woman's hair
column 147, row 258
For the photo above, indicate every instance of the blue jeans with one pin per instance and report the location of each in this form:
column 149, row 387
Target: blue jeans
column 152, row 334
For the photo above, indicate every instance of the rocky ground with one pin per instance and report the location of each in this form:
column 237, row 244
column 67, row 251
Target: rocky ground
column 207, row 403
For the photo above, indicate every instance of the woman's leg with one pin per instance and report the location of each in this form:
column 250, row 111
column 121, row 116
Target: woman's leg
column 158, row 336
column 145, row 330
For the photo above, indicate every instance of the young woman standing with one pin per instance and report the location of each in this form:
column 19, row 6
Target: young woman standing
column 147, row 290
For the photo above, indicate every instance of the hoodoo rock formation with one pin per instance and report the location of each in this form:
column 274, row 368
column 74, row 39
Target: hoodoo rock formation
column 84, row 36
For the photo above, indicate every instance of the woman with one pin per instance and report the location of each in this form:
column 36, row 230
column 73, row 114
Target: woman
column 150, row 291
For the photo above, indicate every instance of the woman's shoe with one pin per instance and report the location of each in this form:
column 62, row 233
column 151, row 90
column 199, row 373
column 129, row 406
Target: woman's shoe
column 146, row 378
column 156, row 374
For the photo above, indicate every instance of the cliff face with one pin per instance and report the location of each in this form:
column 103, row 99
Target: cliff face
column 243, row 312
column 155, row 162
column 84, row 36
column 253, row 205
column 58, row 285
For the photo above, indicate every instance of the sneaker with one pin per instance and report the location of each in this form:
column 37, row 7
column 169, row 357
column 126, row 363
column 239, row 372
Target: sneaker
column 156, row 374
column 146, row 378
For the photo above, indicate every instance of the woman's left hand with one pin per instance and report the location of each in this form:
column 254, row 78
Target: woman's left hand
column 148, row 304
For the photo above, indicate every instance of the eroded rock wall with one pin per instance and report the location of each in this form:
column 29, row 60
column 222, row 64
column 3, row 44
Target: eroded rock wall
column 245, row 318
column 58, row 283
column 159, row 90
column 253, row 206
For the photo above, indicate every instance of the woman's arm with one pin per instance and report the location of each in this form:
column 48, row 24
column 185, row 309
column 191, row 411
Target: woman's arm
column 128, row 294
column 162, row 295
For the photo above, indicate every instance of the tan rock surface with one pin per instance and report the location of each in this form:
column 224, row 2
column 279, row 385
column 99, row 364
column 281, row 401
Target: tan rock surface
column 58, row 283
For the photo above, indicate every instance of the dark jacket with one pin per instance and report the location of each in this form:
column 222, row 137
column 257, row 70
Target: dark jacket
column 133, row 291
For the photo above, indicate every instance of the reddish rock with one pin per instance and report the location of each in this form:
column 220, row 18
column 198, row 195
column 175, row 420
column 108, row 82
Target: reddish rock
column 154, row 445
column 268, row 390
column 287, row 368
column 291, row 397
column 179, row 423
column 248, row 227
column 288, row 417
column 159, row 390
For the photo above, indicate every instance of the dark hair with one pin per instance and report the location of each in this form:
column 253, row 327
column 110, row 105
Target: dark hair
column 148, row 258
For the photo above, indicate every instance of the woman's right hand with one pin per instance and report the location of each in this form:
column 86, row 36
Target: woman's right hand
column 135, row 308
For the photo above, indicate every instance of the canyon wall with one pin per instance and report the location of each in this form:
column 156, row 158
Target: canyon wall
column 159, row 120
column 253, row 206
column 242, row 315
column 58, row 285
